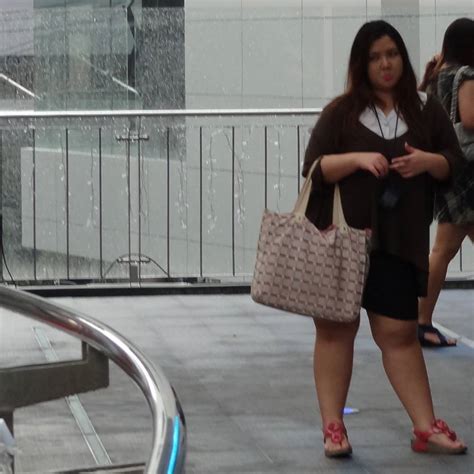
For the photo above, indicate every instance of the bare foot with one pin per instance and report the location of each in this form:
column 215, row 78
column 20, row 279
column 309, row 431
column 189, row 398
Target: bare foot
column 336, row 443
column 430, row 336
column 438, row 438
column 332, row 447
column 443, row 440
column 435, row 339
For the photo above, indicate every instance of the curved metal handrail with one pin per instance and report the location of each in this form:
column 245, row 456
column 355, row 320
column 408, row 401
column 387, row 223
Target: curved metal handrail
column 169, row 435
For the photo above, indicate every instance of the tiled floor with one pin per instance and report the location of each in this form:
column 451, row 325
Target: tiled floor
column 244, row 376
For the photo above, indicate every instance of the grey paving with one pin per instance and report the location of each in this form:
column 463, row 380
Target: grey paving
column 244, row 375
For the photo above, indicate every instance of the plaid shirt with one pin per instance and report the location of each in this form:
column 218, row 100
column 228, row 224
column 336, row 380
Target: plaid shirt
column 456, row 205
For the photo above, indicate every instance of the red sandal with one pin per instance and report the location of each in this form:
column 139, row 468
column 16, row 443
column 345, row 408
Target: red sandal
column 421, row 442
column 337, row 432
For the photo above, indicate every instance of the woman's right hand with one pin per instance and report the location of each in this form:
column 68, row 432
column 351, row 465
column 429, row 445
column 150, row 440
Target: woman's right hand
column 374, row 163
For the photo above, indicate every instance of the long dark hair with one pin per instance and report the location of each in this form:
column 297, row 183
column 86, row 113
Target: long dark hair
column 359, row 92
column 458, row 43
column 457, row 50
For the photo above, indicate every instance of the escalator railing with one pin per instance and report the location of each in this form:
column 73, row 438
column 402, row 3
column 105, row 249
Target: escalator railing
column 169, row 431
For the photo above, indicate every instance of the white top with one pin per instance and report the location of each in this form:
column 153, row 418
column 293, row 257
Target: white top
column 388, row 122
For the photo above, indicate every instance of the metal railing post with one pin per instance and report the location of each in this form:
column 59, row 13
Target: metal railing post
column 67, row 203
column 34, row 206
column 266, row 166
column 200, row 203
column 101, row 237
column 168, row 203
column 233, row 200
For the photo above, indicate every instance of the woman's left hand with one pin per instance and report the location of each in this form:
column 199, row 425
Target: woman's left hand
column 412, row 164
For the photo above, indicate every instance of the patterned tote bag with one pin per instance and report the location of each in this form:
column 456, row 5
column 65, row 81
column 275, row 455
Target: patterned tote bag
column 303, row 270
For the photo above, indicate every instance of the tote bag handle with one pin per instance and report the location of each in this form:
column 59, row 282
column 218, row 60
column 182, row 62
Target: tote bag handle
column 338, row 218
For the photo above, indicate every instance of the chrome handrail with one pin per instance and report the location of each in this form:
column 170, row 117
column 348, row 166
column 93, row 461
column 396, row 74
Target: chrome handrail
column 6, row 114
column 169, row 435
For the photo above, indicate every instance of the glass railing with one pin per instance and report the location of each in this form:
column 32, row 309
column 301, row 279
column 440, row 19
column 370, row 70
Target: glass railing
column 147, row 195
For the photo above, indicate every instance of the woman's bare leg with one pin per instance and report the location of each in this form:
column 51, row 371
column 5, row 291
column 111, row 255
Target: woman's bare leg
column 405, row 367
column 449, row 238
column 333, row 357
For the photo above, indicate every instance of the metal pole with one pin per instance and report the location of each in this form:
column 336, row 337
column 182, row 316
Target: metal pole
column 34, row 205
column 139, row 205
column 10, row 114
column 129, row 210
column 168, row 201
column 67, row 202
column 266, row 165
column 233, row 200
column 298, row 171
column 200, row 200
column 101, row 243
column 2, row 160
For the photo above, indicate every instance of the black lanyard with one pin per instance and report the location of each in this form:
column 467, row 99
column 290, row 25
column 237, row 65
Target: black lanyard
column 392, row 188
column 381, row 130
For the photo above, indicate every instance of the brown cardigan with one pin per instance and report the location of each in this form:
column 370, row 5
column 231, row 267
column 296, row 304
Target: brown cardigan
column 403, row 231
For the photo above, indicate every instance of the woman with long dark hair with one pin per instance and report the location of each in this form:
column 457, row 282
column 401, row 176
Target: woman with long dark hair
column 387, row 146
column 452, row 69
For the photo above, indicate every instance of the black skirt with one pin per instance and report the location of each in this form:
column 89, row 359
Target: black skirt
column 391, row 288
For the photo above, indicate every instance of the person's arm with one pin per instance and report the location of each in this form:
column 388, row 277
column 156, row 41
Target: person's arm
column 321, row 141
column 437, row 166
column 430, row 68
column 333, row 166
column 336, row 167
column 466, row 104
column 447, row 156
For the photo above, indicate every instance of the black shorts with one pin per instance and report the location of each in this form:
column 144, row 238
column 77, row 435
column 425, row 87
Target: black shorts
column 391, row 288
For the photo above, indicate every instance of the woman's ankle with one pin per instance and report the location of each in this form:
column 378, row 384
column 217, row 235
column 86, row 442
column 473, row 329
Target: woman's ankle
column 425, row 321
column 423, row 427
column 332, row 420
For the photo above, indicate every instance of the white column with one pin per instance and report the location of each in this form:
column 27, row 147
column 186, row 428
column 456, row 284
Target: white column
column 328, row 56
column 405, row 16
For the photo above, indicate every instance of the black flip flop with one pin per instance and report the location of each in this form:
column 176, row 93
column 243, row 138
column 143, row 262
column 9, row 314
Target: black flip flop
column 423, row 329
